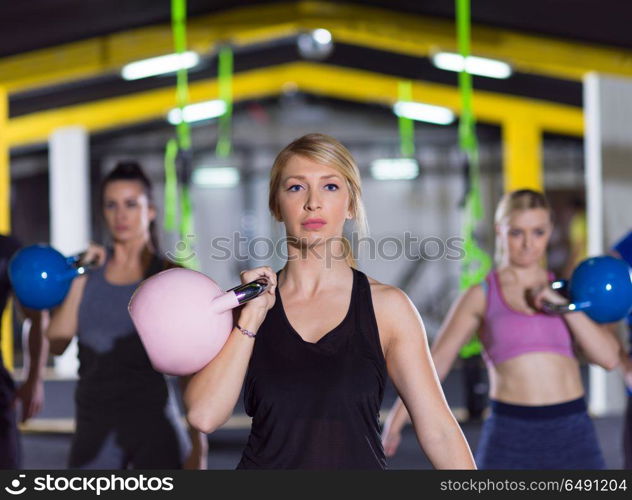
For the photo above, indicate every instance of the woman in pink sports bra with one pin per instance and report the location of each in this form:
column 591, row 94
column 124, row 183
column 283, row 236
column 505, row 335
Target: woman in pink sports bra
column 538, row 414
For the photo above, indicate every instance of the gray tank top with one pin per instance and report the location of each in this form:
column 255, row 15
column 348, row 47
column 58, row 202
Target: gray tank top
column 114, row 370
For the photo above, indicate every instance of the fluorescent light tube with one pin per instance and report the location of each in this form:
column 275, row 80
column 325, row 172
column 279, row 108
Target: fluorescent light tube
column 196, row 112
column 217, row 177
column 159, row 65
column 424, row 112
column 394, row 169
column 481, row 66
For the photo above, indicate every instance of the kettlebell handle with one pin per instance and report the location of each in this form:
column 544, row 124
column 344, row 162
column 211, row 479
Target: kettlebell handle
column 77, row 269
column 239, row 295
column 249, row 291
column 551, row 308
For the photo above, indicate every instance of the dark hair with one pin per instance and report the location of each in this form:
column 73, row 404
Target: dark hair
column 130, row 170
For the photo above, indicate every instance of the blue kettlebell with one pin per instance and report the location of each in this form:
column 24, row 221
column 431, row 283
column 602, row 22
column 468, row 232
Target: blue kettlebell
column 601, row 287
column 41, row 276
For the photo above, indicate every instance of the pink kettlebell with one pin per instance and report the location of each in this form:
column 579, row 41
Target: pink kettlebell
column 184, row 318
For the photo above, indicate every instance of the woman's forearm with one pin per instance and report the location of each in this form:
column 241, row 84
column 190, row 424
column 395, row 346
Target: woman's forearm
column 596, row 341
column 59, row 333
column 63, row 323
column 33, row 336
column 447, row 448
column 212, row 393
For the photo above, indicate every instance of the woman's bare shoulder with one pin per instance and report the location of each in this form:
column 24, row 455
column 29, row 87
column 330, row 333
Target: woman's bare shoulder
column 474, row 299
column 389, row 302
column 383, row 293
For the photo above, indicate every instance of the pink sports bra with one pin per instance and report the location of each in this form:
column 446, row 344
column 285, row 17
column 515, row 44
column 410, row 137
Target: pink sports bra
column 507, row 333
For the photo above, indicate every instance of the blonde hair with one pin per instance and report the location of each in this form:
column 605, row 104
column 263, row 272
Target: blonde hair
column 514, row 201
column 325, row 150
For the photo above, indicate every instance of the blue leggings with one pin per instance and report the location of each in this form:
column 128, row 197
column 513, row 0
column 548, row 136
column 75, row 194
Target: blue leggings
column 559, row 436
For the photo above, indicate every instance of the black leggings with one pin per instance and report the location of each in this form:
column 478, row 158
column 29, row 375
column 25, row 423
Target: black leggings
column 150, row 440
column 10, row 446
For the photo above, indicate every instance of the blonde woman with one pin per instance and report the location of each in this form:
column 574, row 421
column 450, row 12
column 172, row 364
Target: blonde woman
column 538, row 418
column 315, row 350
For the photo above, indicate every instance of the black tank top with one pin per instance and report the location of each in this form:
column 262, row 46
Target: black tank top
column 316, row 405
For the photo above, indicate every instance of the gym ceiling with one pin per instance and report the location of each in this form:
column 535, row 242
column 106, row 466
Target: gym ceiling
column 60, row 60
